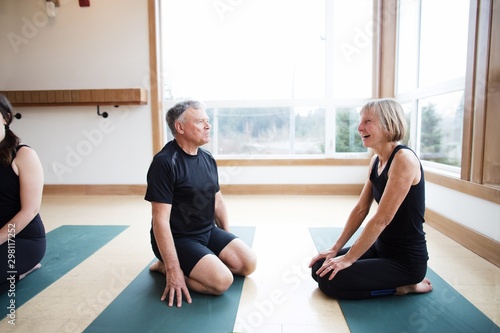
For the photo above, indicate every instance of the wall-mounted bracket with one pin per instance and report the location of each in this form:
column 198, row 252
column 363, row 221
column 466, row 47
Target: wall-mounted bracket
column 104, row 114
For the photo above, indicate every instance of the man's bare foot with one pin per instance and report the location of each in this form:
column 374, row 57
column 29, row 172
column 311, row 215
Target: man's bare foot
column 157, row 267
column 37, row 266
column 419, row 288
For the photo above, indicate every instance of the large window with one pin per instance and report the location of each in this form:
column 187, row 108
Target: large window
column 267, row 131
column 432, row 51
column 279, row 78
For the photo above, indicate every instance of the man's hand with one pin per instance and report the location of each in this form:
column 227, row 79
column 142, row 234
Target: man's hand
column 176, row 288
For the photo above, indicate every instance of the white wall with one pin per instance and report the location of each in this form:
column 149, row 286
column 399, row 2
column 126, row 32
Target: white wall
column 480, row 215
column 101, row 46
column 293, row 175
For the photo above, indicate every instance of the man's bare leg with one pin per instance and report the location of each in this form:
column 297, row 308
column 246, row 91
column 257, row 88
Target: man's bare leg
column 209, row 275
column 239, row 258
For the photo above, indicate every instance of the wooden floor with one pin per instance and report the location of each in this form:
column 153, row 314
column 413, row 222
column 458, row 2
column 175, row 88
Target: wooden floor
column 283, row 246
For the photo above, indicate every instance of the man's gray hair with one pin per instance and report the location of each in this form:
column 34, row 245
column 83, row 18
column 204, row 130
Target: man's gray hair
column 177, row 110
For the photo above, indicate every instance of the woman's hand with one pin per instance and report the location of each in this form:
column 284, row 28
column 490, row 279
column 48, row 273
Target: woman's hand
column 322, row 255
column 333, row 266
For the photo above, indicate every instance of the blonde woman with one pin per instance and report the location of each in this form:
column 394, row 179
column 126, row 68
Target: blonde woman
column 390, row 255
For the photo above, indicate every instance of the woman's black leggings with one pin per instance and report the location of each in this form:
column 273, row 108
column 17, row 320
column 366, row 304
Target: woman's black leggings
column 25, row 253
column 370, row 276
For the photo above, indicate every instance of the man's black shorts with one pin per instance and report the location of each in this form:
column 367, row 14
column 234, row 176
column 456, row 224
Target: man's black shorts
column 190, row 249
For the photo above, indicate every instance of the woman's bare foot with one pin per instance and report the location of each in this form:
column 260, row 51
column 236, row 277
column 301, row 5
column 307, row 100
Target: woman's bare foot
column 157, row 267
column 419, row 288
column 37, row 266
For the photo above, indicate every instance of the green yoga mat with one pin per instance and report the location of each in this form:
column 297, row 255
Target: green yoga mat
column 139, row 309
column 441, row 311
column 67, row 247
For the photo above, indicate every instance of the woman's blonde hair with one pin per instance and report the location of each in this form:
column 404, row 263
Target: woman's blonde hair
column 390, row 115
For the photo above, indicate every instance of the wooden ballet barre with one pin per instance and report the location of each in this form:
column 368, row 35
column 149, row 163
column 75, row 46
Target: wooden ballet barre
column 131, row 96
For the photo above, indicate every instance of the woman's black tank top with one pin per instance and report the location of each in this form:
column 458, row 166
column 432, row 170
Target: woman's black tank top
column 10, row 203
column 404, row 238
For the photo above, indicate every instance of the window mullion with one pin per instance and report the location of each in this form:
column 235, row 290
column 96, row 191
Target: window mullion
column 329, row 75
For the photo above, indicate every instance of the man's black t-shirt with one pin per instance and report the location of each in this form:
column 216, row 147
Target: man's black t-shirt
column 187, row 182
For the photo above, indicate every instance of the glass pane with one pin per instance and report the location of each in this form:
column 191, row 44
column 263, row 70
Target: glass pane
column 309, row 131
column 353, row 48
column 407, row 45
column 253, row 131
column 441, row 128
column 269, row 131
column 238, row 50
column 443, row 44
column 347, row 139
column 407, row 107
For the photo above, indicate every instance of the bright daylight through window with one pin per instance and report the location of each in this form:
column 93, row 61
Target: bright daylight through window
column 288, row 77
column 279, row 78
column 431, row 77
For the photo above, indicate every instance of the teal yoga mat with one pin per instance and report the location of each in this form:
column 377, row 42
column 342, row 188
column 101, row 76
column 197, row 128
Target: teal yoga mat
column 67, row 247
column 139, row 309
column 441, row 311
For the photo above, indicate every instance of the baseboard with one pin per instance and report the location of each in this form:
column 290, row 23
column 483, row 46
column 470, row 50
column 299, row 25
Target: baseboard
column 293, row 189
column 308, row 189
column 94, row 189
column 480, row 244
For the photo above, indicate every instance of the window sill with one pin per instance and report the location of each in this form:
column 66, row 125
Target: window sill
column 320, row 161
column 485, row 192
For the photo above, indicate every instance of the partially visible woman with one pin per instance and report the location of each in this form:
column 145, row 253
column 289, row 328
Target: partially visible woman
column 22, row 233
column 390, row 255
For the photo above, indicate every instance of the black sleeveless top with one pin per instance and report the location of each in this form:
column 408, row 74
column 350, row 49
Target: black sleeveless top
column 404, row 238
column 10, row 203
